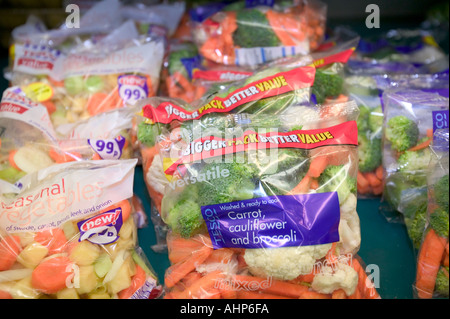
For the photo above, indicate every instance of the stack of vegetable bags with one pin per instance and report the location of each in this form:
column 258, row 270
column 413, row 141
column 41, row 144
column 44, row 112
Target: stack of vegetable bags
column 244, row 177
column 70, row 233
column 410, row 118
column 432, row 264
column 247, row 35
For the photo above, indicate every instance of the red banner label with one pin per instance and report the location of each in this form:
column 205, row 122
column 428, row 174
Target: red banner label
column 298, row 78
column 207, row 147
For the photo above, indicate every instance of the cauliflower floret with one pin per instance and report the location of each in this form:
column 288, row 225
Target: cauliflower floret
column 349, row 230
column 338, row 276
column 155, row 175
column 284, row 263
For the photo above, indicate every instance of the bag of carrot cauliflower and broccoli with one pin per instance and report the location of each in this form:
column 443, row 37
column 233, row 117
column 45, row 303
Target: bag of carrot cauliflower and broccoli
column 259, row 205
column 432, row 261
column 70, row 233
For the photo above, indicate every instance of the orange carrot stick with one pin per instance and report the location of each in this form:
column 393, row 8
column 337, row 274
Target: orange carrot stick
column 428, row 263
column 379, row 172
column 421, row 146
column 54, row 239
column 372, row 179
column 317, row 166
column 245, row 294
column 199, row 287
column 273, row 286
column 177, row 271
column 137, row 281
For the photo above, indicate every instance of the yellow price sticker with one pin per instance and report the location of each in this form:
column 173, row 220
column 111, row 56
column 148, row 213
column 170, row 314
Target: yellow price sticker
column 39, row 91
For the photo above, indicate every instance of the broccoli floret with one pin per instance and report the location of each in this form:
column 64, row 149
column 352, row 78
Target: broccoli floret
column 363, row 119
column 253, row 30
column 375, row 119
column 416, row 226
column 185, row 218
column 439, row 222
column 175, row 59
column 412, row 161
column 369, row 152
column 335, row 178
column 402, row 133
column 147, row 133
column 238, row 185
column 441, row 192
column 441, row 286
column 281, row 174
column 326, row 84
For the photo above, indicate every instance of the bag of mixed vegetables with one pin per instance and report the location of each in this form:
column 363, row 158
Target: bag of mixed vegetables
column 70, row 233
column 270, row 91
column 410, row 118
column 367, row 91
column 28, row 140
column 432, row 263
column 256, row 35
column 113, row 73
column 264, row 206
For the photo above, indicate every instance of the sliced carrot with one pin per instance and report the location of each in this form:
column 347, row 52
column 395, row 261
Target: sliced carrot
column 9, row 250
column 314, row 295
column 11, row 159
column 137, row 281
column 5, row 295
column 51, row 275
column 245, row 294
column 51, row 107
column 223, row 255
column 272, row 286
column 306, row 278
column 318, row 165
column 379, row 172
column 275, row 21
column 202, row 285
column 421, row 146
column 428, row 263
column 179, row 249
column 372, row 179
column 54, row 239
column 303, row 186
column 361, row 180
column 124, row 205
column 339, row 294
column 177, row 271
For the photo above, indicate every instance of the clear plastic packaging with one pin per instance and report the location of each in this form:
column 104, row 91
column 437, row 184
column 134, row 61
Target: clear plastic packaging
column 74, row 235
column 432, row 261
column 410, row 118
column 236, row 185
column 256, row 35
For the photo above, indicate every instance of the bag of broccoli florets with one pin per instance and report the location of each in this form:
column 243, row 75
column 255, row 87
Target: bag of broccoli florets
column 257, row 206
column 367, row 91
column 256, row 35
column 410, row 118
column 432, row 261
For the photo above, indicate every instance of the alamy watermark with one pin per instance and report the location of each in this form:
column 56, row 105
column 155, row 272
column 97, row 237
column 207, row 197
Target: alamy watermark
column 373, row 19
column 73, row 19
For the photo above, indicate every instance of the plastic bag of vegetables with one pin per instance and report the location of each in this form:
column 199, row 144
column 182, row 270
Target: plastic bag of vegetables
column 252, row 36
column 70, row 233
column 236, row 187
column 410, row 118
column 432, row 263
column 367, row 91
column 269, row 91
column 432, row 267
column 115, row 72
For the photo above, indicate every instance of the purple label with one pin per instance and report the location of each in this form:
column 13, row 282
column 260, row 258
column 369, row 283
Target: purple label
column 108, row 148
column 274, row 221
column 132, row 88
column 102, row 229
column 440, row 119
